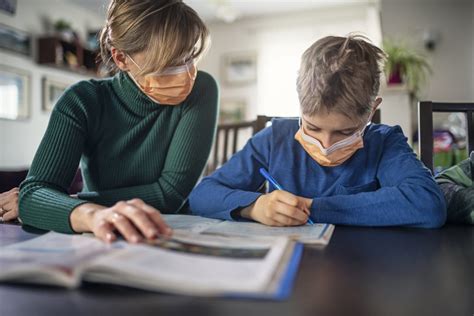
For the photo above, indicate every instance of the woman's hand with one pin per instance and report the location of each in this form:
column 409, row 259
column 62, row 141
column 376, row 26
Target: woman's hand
column 279, row 208
column 134, row 220
column 9, row 204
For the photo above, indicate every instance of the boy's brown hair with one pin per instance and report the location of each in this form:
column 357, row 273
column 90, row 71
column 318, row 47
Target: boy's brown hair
column 340, row 74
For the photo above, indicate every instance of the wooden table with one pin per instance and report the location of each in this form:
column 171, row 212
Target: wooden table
column 363, row 271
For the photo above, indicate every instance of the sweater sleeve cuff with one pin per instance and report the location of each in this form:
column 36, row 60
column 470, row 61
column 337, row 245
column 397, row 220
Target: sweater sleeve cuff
column 237, row 200
column 55, row 212
column 320, row 212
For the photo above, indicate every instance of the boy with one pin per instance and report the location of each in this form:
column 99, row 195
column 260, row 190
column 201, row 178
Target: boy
column 334, row 166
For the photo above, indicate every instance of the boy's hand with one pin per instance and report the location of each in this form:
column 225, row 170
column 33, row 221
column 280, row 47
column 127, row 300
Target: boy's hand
column 279, row 208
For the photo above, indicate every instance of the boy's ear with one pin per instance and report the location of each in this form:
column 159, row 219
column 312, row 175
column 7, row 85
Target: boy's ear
column 377, row 102
column 120, row 59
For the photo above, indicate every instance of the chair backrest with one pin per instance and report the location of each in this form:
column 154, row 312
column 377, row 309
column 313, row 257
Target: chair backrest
column 261, row 122
column 10, row 179
column 425, row 126
column 226, row 143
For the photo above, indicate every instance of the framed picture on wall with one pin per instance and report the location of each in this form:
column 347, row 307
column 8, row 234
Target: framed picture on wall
column 14, row 93
column 14, row 40
column 8, row 6
column 239, row 68
column 52, row 90
column 232, row 110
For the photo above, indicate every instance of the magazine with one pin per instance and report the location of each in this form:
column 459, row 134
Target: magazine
column 186, row 263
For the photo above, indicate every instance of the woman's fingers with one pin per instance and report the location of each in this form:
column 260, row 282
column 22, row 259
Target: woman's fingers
column 10, row 215
column 105, row 231
column 154, row 215
column 9, row 205
column 140, row 219
column 125, row 227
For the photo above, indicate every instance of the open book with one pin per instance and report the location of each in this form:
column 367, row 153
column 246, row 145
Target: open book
column 186, row 263
column 317, row 234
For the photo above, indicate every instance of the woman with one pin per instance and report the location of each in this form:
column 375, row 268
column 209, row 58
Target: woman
column 143, row 136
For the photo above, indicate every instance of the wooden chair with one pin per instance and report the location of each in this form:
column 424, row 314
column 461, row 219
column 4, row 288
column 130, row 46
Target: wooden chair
column 425, row 126
column 226, row 143
column 10, row 179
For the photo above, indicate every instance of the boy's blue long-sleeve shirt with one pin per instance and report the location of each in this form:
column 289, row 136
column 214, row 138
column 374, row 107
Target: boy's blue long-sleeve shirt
column 382, row 184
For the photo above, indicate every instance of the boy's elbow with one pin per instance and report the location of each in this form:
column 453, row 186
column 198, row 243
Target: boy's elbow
column 194, row 203
column 435, row 213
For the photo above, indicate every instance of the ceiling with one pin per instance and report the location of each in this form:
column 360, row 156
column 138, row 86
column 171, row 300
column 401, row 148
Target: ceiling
column 230, row 10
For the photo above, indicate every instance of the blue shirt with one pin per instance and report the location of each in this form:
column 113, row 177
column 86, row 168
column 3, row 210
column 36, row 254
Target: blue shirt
column 382, row 184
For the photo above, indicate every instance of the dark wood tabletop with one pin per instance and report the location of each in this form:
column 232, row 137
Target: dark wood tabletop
column 363, row 271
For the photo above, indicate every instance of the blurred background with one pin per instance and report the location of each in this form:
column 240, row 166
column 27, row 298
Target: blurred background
column 46, row 45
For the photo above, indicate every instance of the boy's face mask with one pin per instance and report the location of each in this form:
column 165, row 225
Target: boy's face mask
column 335, row 154
column 170, row 86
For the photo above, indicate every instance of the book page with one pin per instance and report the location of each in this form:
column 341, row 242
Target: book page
column 52, row 258
column 311, row 234
column 191, row 223
column 194, row 264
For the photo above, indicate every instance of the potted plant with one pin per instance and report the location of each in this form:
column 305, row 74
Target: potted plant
column 405, row 66
column 64, row 29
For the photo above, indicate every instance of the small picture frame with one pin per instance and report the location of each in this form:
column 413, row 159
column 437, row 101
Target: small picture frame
column 52, row 91
column 15, row 41
column 232, row 110
column 14, row 93
column 8, row 6
column 239, row 68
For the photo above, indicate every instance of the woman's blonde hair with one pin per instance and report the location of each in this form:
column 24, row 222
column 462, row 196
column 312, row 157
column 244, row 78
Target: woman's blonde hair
column 169, row 32
column 340, row 74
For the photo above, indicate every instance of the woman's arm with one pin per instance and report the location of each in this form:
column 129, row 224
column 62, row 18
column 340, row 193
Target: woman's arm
column 44, row 202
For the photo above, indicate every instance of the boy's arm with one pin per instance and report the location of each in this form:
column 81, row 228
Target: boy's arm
column 235, row 184
column 408, row 194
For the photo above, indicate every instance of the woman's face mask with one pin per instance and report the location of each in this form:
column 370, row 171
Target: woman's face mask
column 170, row 86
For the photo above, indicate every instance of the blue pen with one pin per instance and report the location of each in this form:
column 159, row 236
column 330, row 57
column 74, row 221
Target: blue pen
column 270, row 179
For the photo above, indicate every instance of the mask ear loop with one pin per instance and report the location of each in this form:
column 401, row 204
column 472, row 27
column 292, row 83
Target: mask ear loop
column 133, row 61
column 188, row 70
column 369, row 121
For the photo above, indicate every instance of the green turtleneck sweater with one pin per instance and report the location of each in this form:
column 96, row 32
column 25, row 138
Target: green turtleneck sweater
column 127, row 145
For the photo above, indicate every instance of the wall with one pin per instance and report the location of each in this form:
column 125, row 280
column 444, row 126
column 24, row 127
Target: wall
column 20, row 139
column 453, row 59
column 279, row 42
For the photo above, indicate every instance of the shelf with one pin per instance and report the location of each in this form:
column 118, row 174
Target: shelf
column 56, row 52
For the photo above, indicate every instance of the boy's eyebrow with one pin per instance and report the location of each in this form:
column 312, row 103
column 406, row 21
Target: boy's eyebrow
column 341, row 130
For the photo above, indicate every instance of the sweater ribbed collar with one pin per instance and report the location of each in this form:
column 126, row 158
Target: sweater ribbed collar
column 131, row 96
